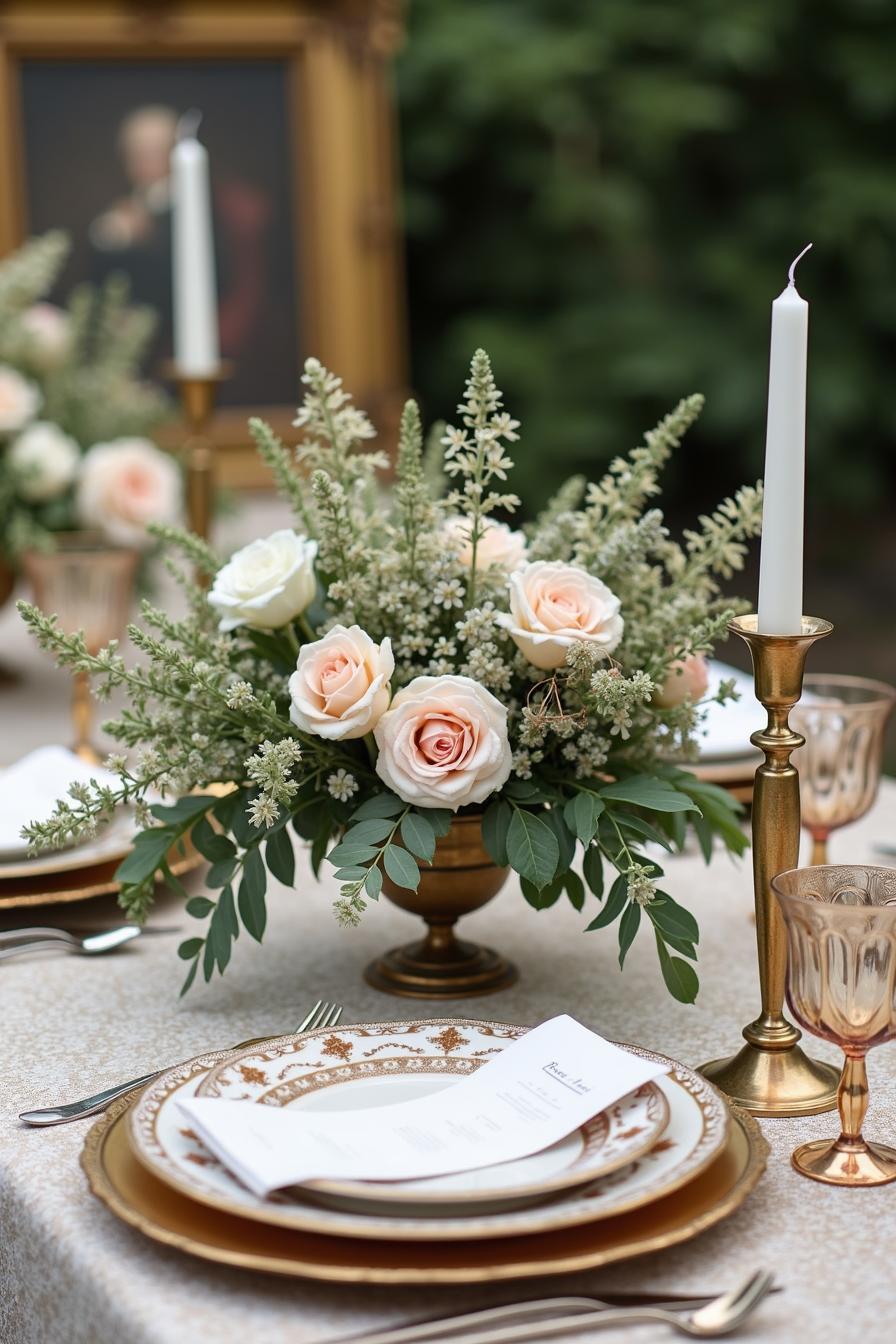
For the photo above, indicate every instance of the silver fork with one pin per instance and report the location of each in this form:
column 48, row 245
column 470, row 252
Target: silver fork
column 323, row 1014
column 513, row 1324
column 41, row 940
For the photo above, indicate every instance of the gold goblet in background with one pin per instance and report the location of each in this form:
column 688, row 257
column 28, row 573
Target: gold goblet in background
column 841, row 986
column 843, row 721
column 89, row 585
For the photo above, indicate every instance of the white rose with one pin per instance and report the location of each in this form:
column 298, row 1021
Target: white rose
column 19, row 400
column 553, row 605
column 499, row 544
column 126, row 484
column 48, row 332
column 443, row 743
column 266, row 584
column 340, row 688
column 45, row 460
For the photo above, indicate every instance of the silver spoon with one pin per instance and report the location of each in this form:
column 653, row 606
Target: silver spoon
column 42, row 940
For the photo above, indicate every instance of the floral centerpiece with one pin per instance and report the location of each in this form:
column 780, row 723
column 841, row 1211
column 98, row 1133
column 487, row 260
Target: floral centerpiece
column 406, row 658
column 74, row 414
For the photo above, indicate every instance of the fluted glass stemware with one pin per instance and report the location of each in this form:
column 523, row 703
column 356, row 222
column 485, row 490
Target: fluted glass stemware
column 89, row 585
column 843, row 720
column 841, row 986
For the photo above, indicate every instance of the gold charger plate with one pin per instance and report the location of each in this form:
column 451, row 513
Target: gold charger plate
column 146, row 1203
column 80, row 884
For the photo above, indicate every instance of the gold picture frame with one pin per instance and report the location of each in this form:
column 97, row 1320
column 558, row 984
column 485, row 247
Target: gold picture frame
column 348, row 263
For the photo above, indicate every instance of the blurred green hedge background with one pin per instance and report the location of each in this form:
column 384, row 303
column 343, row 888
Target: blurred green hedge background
column 607, row 196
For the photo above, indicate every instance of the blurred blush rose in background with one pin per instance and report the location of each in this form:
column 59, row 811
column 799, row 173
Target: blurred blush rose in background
column 687, row 679
column 125, row 485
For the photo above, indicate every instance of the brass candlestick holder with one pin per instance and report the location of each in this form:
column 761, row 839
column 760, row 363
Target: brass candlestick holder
column 198, row 393
column 771, row 1075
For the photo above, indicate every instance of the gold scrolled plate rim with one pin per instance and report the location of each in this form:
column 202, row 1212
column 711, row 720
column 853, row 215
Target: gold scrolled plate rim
column 145, row 1203
column 99, row 880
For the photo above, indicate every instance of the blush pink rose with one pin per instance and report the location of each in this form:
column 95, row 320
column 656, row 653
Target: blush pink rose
column 499, row 546
column 443, row 743
column 126, row 484
column 687, row 679
column 553, row 606
column 340, row 688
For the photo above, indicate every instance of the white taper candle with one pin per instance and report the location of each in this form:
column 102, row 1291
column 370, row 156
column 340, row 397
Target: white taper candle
column 196, row 352
column 781, row 559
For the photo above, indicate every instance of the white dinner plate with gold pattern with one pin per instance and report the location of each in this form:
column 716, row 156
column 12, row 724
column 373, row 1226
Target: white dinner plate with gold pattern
column 695, row 1132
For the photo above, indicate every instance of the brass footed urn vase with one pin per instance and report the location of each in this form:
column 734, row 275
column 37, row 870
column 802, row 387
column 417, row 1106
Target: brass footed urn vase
column 462, row 878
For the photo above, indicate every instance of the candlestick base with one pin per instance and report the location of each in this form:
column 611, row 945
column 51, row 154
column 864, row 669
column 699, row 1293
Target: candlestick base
column 775, row 1082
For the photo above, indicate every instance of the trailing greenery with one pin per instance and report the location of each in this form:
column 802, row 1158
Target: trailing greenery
column 406, row 656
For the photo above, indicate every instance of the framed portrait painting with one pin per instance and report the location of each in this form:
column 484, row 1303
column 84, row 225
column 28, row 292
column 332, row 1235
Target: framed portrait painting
column 297, row 121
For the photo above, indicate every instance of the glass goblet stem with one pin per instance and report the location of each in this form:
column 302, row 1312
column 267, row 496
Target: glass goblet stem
column 852, row 1103
column 82, row 719
column 819, row 847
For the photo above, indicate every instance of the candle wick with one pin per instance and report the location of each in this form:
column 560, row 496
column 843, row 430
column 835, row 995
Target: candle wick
column 189, row 123
column 795, row 263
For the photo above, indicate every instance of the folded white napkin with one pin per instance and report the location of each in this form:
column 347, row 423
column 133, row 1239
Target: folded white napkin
column 30, row 788
column 535, row 1092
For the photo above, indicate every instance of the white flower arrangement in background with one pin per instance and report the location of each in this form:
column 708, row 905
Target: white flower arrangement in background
column 74, row 413
column 399, row 657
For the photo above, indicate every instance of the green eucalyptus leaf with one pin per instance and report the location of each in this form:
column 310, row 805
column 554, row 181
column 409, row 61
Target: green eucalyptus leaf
column 252, row 907
column 614, row 904
column 628, row 927
column 280, row 857
column 368, row 832
column 593, row 871
column 546, row 897
column 532, row 848
column 680, row 978
column 199, row 907
column 380, row 805
column 418, row 836
column 566, row 841
column 656, row 795
column 189, row 948
column 495, row 825
column 574, row 890
column 401, row 867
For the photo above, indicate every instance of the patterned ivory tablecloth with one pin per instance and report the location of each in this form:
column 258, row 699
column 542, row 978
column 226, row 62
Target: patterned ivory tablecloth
column 70, row 1273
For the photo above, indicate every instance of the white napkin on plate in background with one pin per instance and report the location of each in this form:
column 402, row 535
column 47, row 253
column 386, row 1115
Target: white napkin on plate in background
column 30, row 789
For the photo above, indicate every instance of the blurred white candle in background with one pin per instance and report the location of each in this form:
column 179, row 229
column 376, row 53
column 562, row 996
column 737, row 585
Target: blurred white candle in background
column 781, row 560
column 196, row 351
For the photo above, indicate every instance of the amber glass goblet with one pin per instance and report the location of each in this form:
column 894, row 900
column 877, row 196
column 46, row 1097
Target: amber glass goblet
column 843, row 721
column 89, row 585
column 841, row 986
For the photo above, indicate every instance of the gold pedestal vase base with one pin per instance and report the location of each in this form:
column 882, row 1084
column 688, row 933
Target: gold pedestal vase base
column 843, row 1162
column 423, row 971
column 462, row 877
column 775, row 1082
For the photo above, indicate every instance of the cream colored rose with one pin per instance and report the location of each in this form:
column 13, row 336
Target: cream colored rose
column 554, row 605
column 443, row 743
column 687, row 679
column 19, row 400
column 48, row 335
column 340, row 688
column 126, row 484
column 44, row 460
column 267, row 583
column 499, row 546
